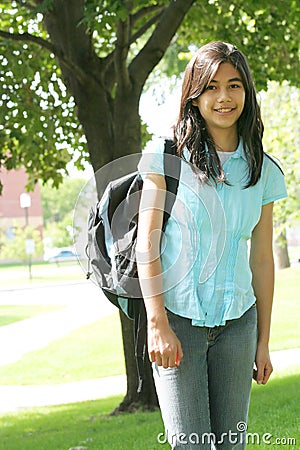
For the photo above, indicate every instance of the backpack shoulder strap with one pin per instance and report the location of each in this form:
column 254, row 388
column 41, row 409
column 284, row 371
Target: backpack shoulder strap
column 172, row 165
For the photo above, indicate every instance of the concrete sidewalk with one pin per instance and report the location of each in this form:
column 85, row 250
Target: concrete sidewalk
column 79, row 304
column 17, row 398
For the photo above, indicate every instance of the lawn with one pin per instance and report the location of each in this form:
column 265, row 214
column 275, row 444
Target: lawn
column 92, row 351
column 42, row 273
column 274, row 414
column 13, row 313
column 96, row 350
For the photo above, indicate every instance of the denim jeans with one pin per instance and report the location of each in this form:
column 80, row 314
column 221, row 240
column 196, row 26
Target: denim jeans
column 204, row 401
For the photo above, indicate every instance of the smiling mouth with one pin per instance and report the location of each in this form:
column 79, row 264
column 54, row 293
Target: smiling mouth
column 224, row 110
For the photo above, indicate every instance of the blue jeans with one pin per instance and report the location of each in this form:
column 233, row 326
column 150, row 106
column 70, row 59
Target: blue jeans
column 204, row 402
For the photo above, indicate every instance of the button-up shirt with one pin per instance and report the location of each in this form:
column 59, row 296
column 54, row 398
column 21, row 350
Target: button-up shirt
column 206, row 274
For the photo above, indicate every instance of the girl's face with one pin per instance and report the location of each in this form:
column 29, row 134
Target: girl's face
column 222, row 103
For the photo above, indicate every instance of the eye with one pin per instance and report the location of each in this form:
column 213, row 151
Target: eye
column 235, row 86
column 210, row 87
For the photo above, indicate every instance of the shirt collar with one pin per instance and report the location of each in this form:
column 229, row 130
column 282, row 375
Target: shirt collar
column 240, row 152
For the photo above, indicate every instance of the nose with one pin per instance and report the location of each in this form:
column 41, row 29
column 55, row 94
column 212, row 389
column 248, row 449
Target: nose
column 224, row 96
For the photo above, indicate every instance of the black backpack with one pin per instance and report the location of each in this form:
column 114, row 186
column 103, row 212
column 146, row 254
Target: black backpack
column 112, row 232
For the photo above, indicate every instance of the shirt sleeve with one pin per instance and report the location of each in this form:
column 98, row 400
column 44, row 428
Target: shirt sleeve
column 152, row 160
column 274, row 183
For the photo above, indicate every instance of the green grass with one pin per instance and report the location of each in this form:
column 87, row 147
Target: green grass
column 96, row 350
column 13, row 313
column 274, row 409
column 92, row 351
column 42, row 273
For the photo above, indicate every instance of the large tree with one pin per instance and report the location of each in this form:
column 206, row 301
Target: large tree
column 72, row 73
column 282, row 139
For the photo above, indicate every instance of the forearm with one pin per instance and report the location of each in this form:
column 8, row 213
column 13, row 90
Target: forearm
column 263, row 285
column 151, row 285
column 148, row 247
column 262, row 267
column 163, row 345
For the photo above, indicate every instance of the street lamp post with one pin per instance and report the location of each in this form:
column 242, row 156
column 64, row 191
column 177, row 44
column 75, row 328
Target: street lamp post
column 25, row 203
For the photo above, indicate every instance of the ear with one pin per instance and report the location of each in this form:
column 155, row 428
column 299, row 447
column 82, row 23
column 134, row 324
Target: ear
column 195, row 102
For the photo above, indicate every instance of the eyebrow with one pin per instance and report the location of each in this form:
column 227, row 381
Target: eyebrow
column 229, row 81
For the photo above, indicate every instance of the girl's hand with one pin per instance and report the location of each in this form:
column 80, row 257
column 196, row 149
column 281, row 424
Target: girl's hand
column 263, row 364
column 163, row 346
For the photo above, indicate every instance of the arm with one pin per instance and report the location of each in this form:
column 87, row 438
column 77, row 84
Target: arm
column 262, row 267
column 163, row 345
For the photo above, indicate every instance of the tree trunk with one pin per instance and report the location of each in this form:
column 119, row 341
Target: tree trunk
column 147, row 398
column 109, row 116
column 282, row 260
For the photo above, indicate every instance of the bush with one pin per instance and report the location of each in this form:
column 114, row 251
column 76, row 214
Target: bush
column 15, row 248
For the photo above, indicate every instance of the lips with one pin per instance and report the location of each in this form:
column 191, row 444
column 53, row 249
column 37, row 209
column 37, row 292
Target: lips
column 224, row 110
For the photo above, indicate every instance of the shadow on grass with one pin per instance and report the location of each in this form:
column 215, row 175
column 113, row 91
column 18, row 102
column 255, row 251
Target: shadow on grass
column 275, row 409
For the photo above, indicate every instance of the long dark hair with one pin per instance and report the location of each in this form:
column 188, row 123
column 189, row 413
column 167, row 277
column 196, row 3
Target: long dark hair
column 190, row 130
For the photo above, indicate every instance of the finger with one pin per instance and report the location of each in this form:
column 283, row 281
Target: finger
column 178, row 359
column 267, row 374
column 168, row 359
column 165, row 363
column 169, row 362
column 173, row 359
column 152, row 357
column 259, row 374
column 158, row 359
column 179, row 355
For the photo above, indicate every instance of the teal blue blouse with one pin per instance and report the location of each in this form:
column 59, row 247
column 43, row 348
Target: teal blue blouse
column 204, row 253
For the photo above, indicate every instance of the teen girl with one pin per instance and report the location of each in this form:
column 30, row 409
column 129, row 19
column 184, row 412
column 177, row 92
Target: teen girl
column 208, row 299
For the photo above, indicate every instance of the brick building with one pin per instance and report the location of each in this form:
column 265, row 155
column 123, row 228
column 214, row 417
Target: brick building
column 11, row 214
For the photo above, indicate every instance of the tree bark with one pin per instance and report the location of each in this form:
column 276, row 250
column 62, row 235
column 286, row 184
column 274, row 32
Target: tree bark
column 282, row 260
column 147, row 398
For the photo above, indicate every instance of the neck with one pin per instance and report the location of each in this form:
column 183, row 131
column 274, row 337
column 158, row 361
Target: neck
column 226, row 140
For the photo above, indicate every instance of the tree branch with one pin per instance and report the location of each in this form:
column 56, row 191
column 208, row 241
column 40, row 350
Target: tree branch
column 145, row 12
column 145, row 27
column 108, row 69
column 29, row 38
column 142, row 65
column 121, row 52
